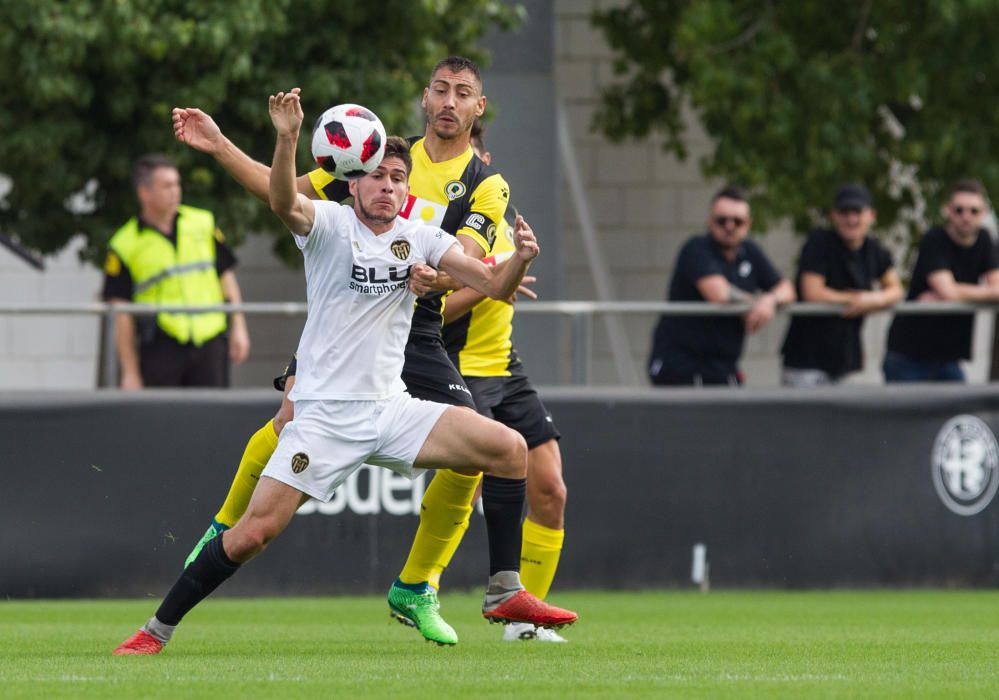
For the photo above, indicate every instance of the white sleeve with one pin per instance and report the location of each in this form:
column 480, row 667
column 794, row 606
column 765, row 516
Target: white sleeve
column 327, row 217
column 436, row 243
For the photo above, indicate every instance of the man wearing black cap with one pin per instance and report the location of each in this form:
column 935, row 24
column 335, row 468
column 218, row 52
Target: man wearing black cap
column 721, row 266
column 839, row 265
column 956, row 262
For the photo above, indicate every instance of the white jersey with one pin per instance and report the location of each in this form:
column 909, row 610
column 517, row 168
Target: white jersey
column 360, row 307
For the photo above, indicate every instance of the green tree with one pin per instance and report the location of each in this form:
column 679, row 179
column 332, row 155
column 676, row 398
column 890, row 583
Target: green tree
column 799, row 97
column 88, row 86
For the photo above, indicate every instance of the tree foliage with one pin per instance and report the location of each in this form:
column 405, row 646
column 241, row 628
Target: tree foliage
column 799, row 97
column 89, row 85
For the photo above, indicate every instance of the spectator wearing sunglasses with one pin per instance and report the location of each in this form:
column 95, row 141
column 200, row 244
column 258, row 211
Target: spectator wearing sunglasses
column 839, row 265
column 721, row 266
column 956, row 262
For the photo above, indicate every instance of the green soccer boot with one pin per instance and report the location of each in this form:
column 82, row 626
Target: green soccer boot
column 415, row 605
column 213, row 531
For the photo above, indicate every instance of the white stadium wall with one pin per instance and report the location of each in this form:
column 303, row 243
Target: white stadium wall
column 48, row 352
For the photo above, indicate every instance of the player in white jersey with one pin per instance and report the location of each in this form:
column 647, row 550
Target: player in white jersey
column 350, row 403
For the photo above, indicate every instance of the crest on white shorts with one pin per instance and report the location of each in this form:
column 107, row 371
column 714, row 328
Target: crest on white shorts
column 299, row 462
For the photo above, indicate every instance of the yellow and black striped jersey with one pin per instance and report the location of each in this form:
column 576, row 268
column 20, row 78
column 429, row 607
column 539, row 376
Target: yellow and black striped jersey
column 462, row 196
column 480, row 341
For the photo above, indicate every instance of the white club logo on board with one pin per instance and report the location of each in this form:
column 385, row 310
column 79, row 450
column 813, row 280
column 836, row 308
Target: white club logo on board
column 966, row 465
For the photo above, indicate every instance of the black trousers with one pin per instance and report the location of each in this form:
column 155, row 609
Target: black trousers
column 165, row 362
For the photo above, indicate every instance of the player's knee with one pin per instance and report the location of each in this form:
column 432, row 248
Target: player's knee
column 511, row 455
column 545, row 485
column 546, row 501
column 555, row 493
column 247, row 540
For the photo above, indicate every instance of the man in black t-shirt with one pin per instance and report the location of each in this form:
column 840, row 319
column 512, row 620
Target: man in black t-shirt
column 958, row 262
column 721, row 266
column 839, row 265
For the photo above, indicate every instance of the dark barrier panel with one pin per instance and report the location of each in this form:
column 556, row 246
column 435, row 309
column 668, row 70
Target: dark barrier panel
column 104, row 494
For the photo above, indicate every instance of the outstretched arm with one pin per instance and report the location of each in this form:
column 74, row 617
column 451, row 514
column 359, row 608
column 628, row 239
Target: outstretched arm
column 295, row 210
column 464, row 300
column 499, row 282
column 198, row 130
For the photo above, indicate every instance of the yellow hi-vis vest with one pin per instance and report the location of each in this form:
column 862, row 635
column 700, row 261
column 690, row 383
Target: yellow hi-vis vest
column 164, row 273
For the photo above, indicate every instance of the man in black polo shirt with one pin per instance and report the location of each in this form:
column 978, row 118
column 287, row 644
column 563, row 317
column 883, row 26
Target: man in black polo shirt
column 839, row 265
column 957, row 262
column 722, row 267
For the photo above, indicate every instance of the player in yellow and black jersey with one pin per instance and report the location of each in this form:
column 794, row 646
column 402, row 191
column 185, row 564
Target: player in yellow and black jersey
column 452, row 188
column 477, row 335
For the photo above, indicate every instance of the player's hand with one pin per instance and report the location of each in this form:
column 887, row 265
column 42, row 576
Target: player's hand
column 239, row 343
column 131, row 381
column 286, row 112
column 197, row 129
column 929, row 295
column 422, row 279
column 523, row 238
column 523, row 290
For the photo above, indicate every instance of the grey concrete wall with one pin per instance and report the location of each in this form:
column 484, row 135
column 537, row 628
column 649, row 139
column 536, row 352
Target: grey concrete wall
column 520, row 84
column 48, row 352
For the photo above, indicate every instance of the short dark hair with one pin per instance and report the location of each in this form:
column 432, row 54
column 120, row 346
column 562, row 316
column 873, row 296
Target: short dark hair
column 398, row 147
column 968, row 185
column 456, row 64
column 144, row 166
column 731, row 192
column 478, row 135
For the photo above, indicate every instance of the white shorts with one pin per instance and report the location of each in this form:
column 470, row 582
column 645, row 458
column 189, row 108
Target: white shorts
column 329, row 440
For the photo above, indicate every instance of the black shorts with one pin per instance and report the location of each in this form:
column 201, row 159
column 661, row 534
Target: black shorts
column 289, row 371
column 428, row 373
column 513, row 402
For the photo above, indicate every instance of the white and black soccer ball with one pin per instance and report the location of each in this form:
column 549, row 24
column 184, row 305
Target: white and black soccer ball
column 348, row 141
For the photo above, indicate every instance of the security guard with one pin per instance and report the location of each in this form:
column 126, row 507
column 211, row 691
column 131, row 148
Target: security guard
column 172, row 254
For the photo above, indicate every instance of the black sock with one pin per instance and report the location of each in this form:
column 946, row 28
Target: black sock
column 203, row 576
column 503, row 507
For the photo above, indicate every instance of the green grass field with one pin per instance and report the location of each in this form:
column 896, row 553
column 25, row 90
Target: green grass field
column 657, row 644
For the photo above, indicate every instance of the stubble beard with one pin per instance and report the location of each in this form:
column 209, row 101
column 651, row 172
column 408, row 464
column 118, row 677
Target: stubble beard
column 463, row 129
column 376, row 218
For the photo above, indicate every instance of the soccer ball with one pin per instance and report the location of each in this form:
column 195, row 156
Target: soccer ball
column 348, row 141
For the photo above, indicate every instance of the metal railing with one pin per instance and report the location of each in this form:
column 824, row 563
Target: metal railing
column 579, row 313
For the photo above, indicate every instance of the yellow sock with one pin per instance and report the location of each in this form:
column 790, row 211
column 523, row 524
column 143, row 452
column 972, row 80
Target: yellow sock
column 445, row 556
column 539, row 557
column 447, row 504
column 444, row 560
column 258, row 451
